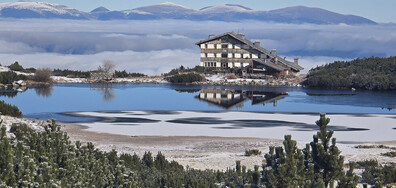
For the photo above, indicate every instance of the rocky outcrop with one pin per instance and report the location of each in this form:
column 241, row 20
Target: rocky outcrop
column 9, row 121
column 291, row 81
column 19, row 85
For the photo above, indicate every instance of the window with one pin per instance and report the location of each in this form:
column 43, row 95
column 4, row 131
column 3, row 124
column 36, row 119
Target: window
column 224, row 55
column 224, row 46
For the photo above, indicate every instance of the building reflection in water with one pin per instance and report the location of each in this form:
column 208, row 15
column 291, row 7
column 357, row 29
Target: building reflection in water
column 228, row 99
column 105, row 88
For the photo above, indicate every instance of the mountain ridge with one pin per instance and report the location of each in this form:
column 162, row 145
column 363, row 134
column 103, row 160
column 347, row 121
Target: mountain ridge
column 168, row 10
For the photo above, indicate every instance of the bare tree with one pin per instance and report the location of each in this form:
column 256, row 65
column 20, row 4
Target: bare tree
column 107, row 67
column 42, row 75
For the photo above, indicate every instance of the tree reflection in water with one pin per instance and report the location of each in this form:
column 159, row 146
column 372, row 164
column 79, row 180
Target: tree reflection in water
column 105, row 88
column 43, row 90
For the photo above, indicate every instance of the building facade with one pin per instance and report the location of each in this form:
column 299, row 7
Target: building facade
column 233, row 50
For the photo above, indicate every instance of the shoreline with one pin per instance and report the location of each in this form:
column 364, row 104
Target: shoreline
column 210, row 80
column 199, row 152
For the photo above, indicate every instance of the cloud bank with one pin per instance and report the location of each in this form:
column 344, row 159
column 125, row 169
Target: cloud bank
column 156, row 46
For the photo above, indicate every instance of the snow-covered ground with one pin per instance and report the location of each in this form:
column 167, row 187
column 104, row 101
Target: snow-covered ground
column 6, row 69
column 216, row 140
column 222, row 79
column 62, row 79
column 8, row 121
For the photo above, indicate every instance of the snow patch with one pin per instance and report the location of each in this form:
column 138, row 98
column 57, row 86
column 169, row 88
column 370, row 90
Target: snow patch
column 222, row 8
column 41, row 7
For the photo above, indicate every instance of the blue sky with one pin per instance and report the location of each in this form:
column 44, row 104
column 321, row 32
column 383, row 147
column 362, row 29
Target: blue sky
column 379, row 11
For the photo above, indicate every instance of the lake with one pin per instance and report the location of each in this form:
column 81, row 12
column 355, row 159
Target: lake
column 52, row 102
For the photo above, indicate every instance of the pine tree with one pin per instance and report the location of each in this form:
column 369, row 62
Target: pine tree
column 147, row 159
column 256, row 175
column 7, row 174
column 350, row 180
column 285, row 167
column 326, row 158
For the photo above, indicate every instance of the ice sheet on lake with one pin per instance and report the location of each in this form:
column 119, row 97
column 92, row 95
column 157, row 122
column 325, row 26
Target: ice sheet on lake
column 349, row 128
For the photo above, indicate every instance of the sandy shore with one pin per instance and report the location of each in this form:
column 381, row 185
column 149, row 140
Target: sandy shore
column 197, row 152
column 202, row 152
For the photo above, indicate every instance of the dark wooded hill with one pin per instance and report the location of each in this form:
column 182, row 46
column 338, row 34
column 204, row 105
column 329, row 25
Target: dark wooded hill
column 372, row 73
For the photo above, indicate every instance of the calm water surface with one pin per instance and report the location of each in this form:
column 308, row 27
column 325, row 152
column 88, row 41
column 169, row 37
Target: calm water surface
column 47, row 103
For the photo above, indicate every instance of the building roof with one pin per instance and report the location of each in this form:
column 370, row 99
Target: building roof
column 272, row 65
column 242, row 38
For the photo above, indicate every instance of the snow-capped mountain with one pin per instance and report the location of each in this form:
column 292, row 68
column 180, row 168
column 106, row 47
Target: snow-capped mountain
column 164, row 10
column 102, row 13
column 297, row 14
column 318, row 16
column 223, row 12
column 223, row 8
column 40, row 10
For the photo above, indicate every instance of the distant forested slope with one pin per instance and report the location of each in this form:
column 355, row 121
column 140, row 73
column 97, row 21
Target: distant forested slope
column 372, row 73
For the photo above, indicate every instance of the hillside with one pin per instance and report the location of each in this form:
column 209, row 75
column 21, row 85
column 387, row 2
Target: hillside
column 222, row 12
column 372, row 73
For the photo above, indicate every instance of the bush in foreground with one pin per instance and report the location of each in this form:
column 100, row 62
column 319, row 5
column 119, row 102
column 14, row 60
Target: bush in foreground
column 377, row 174
column 48, row 159
column 319, row 164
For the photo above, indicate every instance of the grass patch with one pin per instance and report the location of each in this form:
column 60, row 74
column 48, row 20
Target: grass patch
column 389, row 154
column 374, row 147
column 231, row 76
